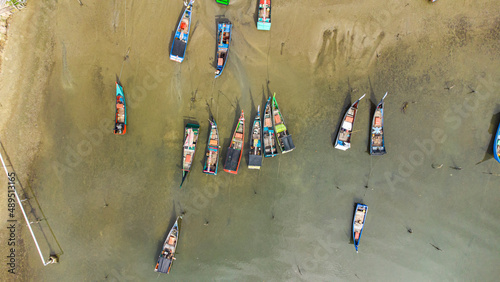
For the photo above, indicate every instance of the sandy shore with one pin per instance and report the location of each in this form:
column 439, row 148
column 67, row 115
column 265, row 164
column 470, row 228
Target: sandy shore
column 57, row 75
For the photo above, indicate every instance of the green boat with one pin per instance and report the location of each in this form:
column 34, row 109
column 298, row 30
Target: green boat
column 225, row 2
column 284, row 137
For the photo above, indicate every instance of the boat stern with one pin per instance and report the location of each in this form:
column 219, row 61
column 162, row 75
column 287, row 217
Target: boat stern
column 263, row 26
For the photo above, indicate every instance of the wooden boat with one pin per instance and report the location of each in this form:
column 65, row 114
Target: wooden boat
column 166, row 257
column 343, row 141
column 121, row 111
column 264, row 20
column 181, row 37
column 284, row 138
column 377, row 144
column 212, row 154
column 223, row 41
column 190, row 139
column 496, row 146
column 268, row 134
column 224, row 2
column 235, row 150
column 255, row 155
column 358, row 223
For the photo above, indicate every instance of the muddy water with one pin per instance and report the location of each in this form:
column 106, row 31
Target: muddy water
column 111, row 199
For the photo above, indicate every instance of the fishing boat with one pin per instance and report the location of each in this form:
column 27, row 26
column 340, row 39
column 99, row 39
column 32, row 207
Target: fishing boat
column 284, row 138
column 268, row 134
column 264, row 20
column 343, row 141
column 167, row 254
column 190, row 139
column 358, row 223
column 235, row 150
column 377, row 144
column 212, row 154
column 224, row 2
column 223, row 41
column 181, row 37
column 121, row 111
column 496, row 147
column 255, row 157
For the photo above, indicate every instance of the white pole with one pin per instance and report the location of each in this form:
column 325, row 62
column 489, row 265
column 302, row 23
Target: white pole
column 24, row 213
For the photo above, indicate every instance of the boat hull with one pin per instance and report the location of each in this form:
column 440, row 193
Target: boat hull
column 223, row 42
column 377, row 142
column 496, row 146
column 166, row 257
column 358, row 223
column 264, row 12
column 285, row 142
column 212, row 153
column 191, row 133
column 121, row 112
column 179, row 44
column 343, row 141
column 223, row 2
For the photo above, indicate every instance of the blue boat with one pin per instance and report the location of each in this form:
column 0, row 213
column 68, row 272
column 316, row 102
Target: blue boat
column 358, row 223
column 223, row 41
column 212, row 154
column 264, row 20
column 377, row 143
column 496, row 146
column 268, row 134
column 166, row 257
column 121, row 112
column 179, row 44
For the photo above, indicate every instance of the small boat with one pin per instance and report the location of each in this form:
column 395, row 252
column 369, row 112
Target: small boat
column 284, row 138
column 264, row 20
column 190, row 139
column 358, row 223
column 181, row 37
column 343, row 141
column 212, row 155
column 235, row 150
column 121, row 111
column 166, row 257
column 496, row 146
column 224, row 2
column 377, row 144
column 223, row 41
column 255, row 157
column 268, row 134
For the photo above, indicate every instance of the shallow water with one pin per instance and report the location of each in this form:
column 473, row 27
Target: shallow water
column 112, row 199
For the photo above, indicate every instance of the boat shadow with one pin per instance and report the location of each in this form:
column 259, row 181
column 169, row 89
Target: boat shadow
column 494, row 124
column 373, row 107
column 227, row 141
column 246, row 145
column 256, row 13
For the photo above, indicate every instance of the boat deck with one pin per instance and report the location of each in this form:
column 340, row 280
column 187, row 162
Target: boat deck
column 232, row 159
column 178, row 48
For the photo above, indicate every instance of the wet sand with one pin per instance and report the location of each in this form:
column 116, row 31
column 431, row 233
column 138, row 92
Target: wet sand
column 111, row 199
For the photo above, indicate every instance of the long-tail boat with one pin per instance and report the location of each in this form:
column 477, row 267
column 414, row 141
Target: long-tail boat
column 264, row 19
column 255, row 154
column 268, row 134
column 377, row 143
column 190, row 139
column 343, row 141
column 181, row 37
column 167, row 254
column 121, row 111
column 223, row 41
column 284, row 137
column 235, row 149
column 212, row 154
column 496, row 145
column 358, row 223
